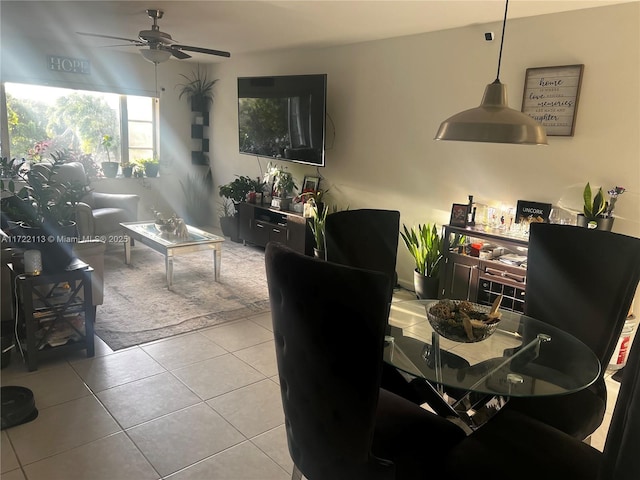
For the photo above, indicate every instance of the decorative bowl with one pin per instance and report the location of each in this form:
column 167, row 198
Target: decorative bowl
column 448, row 320
column 165, row 226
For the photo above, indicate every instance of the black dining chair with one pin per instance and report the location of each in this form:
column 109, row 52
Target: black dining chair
column 328, row 325
column 365, row 238
column 581, row 281
column 513, row 445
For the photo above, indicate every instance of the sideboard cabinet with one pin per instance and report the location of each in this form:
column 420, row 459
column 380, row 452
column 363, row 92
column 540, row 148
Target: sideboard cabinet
column 484, row 266
column 260, row 225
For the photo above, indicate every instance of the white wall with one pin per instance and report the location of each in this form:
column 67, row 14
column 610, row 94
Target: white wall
column 387, row 99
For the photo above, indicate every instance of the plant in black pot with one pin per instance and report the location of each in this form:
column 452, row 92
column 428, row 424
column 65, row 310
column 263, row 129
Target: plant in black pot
column 151, row 166
column 197, row 192
column 109, row 168
column 40, row 215
column 235, row 192
column 198, row 88
column 319, row 213
column 597, row 212
column 425, row 245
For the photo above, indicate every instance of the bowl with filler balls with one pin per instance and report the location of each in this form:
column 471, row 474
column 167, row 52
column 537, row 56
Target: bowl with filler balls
column 464, row 321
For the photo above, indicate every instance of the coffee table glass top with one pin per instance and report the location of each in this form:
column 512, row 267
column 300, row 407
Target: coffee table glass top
column 523, row 358
column 149, row 230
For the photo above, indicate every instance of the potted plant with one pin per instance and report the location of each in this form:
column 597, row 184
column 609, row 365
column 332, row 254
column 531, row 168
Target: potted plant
column 198, row 89
column 151, row 166
column 425, row 245
column 318, row 219
column 42, row 212
column 196, row 192
column 109, row 168
column 233, row 194
column 283, row 186
column 127, row 169
column 597, row 212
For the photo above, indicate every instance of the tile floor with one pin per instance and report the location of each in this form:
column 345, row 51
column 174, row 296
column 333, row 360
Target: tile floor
column 200, row 405
column 204, row 405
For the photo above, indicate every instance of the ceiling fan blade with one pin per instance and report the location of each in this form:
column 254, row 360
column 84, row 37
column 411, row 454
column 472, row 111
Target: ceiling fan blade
column 178, row 54
column 131, row 40
column 208, row 51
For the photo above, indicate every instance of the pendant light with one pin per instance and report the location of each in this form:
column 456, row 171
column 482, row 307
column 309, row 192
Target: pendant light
column 493, row 121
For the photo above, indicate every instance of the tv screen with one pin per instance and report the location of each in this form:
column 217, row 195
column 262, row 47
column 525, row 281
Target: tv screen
column 283, row 117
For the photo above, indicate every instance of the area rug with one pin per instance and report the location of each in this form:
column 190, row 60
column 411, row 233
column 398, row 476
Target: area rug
column 138, row 307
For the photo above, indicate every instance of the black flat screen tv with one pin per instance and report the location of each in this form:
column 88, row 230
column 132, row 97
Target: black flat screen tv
column 283, row 117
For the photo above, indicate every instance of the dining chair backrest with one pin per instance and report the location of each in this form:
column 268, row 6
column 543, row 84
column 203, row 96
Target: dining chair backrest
column 620, row 456
column 328, row 326
column 582, row 281
column 365, row 238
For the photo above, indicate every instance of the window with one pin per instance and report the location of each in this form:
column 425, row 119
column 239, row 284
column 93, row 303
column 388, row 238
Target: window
column 49, row 120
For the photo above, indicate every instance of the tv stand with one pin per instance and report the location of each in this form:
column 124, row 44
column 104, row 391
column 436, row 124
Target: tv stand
column 260, row 224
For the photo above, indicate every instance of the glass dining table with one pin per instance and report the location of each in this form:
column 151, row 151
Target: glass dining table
column 523, row 358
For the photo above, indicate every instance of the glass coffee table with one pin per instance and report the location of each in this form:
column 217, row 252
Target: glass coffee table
column 169, row 244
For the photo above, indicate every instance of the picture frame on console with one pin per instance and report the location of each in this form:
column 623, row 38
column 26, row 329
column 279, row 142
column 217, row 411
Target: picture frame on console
column 310, row 184
column 459, row 213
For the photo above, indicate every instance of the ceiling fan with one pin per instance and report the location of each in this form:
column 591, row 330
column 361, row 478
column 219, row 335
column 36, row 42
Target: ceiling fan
column 160, row 44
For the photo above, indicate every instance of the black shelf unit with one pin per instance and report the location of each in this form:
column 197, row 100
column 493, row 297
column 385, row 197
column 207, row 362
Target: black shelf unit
column 55, row 314
column 199, row 136
column 481, row 280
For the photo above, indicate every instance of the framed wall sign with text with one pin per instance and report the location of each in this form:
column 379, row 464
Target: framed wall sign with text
column 551, row 97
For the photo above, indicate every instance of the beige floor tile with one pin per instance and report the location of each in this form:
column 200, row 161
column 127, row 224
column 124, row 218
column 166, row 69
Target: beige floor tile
column 177, row 352
column 60, row 428
column 264, row 320
column 179, row 439
column 52, row 386
column 242, row 462
column 274, row 444
column 116, row 369
column 217, row 376
column 253, row 409
column 8, row 460
column 111, row 458
column 238, row 335
column 146, row 399
column 14, row 475
column 262, row 357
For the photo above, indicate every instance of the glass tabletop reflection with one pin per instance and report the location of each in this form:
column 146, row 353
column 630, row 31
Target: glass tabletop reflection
column 523, row 358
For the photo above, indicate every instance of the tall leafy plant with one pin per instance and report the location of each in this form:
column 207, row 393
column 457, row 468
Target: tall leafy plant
column 425, row 245
column 594, row 205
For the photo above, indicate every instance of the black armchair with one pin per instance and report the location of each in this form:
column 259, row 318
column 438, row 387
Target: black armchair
column 328, row 324
column 513, row 445
column 581, row 281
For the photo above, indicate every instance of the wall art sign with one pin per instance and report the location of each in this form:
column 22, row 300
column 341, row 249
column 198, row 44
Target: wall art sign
column 59, row 63
column 532, row 212
column 551, row 97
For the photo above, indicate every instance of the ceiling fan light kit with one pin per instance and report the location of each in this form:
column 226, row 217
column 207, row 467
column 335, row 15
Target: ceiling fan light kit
column 155, row 55
column 160, row 46
column 493, row 121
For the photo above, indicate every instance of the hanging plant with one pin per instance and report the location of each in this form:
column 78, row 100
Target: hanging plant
column 198, row 88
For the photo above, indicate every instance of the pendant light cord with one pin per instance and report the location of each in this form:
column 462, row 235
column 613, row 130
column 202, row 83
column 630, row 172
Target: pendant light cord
column 504, row 26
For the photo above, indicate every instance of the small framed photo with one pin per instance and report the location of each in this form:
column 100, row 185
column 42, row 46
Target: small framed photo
column 310, row 184
column 459, row 213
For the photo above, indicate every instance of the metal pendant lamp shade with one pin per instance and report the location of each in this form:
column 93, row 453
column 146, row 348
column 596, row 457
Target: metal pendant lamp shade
column 493, row 121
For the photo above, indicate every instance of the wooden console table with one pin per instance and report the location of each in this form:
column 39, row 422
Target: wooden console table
column 260, row 225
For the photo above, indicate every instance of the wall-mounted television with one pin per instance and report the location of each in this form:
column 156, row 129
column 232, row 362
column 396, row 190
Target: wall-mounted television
column 283, row 117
